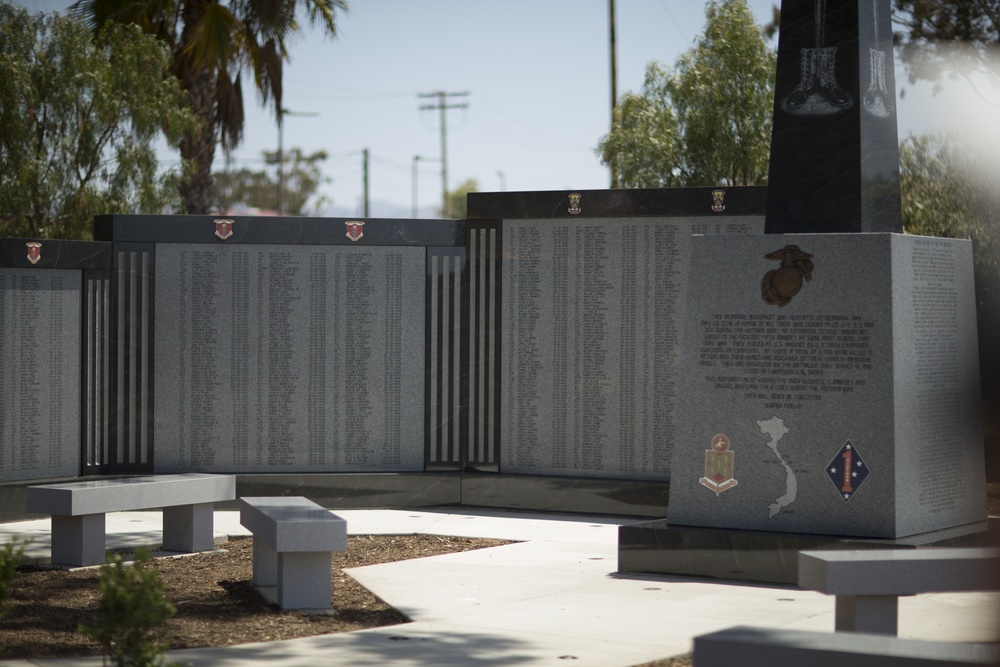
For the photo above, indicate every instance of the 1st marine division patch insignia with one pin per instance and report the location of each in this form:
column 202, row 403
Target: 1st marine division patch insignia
column 847, row 470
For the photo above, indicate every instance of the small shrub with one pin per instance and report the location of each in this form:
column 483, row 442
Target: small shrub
column 10, row 557
column 131, row 614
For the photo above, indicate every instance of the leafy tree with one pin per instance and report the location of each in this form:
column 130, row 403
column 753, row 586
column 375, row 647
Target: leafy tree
column 212, row 43
column 77, row 122
column 947, row 190
column 457, row 198
column 259, row 189
column 948, row 37
column 709, row 121
column 645, row 140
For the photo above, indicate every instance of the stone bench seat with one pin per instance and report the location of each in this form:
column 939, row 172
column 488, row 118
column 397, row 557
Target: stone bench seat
column 293, row 538
column 868, row 583
column 775, row 647
column 78, row 511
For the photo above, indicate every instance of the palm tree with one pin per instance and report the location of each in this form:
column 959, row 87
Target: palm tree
column 212, row 43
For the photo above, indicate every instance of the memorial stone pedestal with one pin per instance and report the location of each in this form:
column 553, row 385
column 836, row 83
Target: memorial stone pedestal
column 830, row 400
column 830, row 373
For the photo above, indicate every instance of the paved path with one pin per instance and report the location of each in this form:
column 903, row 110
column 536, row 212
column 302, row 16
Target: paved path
column 552, row 599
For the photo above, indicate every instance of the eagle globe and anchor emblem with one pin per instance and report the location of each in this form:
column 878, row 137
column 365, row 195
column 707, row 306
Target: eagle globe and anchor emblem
column 718, row 466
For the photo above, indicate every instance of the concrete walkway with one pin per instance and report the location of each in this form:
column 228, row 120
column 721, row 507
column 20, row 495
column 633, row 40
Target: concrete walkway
column 552, row 599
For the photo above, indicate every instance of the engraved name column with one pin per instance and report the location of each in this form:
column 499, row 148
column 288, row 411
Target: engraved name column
column 391, row 357
column 528, row 353
column 205, row 348
column 560, row 347
column 283, row 293
column 357, row 358
column 239, row 352
column 316, row 396
column 28, row 385
column 593, row 372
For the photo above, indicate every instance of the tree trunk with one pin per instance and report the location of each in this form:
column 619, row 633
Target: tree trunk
column 198, row 148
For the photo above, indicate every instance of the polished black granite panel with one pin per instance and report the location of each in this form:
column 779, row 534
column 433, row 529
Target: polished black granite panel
column 13, row 497
column 15, row 253
column 356, row 491
column 617, row 203
column 656, row 547
column 425, row 490
column 834, row 154
column 455, row 489
column 565, row 494
column 290, row 230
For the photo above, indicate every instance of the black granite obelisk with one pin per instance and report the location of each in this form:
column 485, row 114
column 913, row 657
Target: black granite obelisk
column 834, row 149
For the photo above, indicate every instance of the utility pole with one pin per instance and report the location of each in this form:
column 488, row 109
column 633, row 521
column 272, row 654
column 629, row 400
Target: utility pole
column 416, row 161
column 282, row 112
column 614, row 85
column 364, row 170
column 442, row 105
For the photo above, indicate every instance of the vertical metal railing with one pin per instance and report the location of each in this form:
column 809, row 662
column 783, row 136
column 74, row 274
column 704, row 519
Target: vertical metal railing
column 131, row 358
column 445, row 359
column 483, row 341
column 95, row 387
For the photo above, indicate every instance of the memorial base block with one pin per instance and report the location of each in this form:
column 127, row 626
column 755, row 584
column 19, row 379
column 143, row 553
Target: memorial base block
column 831, row 386
column 657, row 547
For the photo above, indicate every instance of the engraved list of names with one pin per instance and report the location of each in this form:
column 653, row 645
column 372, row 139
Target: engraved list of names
column 592, row 311
column 39, row 373
column 289, row 358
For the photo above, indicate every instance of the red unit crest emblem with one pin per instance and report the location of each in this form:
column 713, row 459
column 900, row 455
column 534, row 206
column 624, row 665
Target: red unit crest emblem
column 223, row 228
column 355, row 229
column 34, row 252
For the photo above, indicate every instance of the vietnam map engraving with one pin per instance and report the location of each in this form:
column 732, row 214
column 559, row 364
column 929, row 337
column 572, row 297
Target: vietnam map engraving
column 775, row 429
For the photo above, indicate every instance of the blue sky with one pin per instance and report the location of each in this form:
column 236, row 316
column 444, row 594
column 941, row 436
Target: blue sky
column 538, row 77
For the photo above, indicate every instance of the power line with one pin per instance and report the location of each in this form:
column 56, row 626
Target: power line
column 442, row 106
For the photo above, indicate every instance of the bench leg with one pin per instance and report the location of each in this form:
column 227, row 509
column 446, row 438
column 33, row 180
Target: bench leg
column 189, row 528
column 305, row 580
column 78, row 540
column 265, row 564
column 874, row 614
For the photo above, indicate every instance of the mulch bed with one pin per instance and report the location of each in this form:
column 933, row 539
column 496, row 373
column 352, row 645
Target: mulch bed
column 216, row 604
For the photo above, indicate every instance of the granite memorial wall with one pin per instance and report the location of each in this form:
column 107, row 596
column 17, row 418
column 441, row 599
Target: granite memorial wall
column 288, row 345
column 53, row 323
column 593, row 290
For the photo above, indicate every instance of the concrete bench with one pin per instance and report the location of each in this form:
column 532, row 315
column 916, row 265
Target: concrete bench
column 292, row 543
column 868, row 583
column 78, row 509
column 771, row 647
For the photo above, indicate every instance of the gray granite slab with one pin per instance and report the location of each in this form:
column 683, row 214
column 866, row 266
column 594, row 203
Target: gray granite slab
column 99, row 496
column 830, row 394
column 40, row 334
column 274, row 358
column 293, row 524
column 592, row 315
column 780, row 647
column 900, row 571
